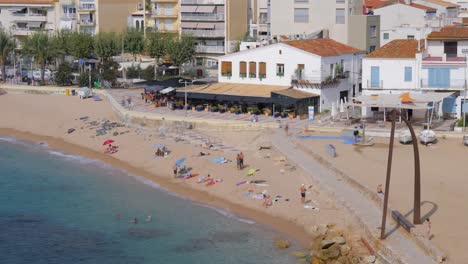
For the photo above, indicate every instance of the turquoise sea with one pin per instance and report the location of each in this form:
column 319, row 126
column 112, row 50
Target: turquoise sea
column 60, row 208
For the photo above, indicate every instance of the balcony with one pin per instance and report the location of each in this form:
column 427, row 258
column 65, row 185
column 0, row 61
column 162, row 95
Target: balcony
column 209, row 49
column 86, row 23
column 25, row 31
column 202, row 17
column 87, row 8
column 452, row 84
column 205, row 33
column 203, row 2
column 314, row 82
column 162, row 14
column 29, row 17
column 68, row 16
column 375, row 85
column 444, row 60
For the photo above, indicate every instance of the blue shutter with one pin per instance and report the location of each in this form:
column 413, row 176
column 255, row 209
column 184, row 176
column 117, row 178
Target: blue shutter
column 439, row 77
column 432, row 77
column 375, row 76
column 444, row 77
column 408, row 74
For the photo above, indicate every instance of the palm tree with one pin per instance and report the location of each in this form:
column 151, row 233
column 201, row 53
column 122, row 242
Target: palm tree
column 39, row 45
column 7, row 45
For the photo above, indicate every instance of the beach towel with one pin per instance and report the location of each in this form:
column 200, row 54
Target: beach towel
column 254, row 196
column 262, row 184
column 189, row 176
column 180, row 161
column 251, row 172
column 219, row 160
column 159, row 146
column 97, row 98
column 240, row 183
column 213, row 183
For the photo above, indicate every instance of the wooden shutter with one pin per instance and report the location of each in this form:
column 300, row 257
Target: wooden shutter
column 262, row 69
column 226, row 67
column 253, row 68
column 243, row 67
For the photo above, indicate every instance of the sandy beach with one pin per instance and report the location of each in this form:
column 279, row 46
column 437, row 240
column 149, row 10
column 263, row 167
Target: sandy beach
column 49, row 117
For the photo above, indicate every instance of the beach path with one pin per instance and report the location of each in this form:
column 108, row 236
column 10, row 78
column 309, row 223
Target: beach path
column 370, row 214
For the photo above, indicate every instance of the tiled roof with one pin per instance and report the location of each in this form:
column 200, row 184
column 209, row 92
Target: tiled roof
column 448, row 33
column 402, row 2
column 374, row 3
column 399, row 48
column 322, row 47
column 423, row 7
column 26, row 2
column 442, row 3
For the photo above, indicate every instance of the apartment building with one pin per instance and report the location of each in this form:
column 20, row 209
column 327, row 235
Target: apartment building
column 295, row 19
column 437, row 64
column 414, row 19
column 216, row 25
column 165, row 16
column 24, row 17
column 94, row 16
column 258, row 19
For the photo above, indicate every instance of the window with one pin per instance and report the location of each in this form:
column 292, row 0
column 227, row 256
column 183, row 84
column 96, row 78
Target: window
column 386, row 35
column 373, row 31
column 408, row 74
column 410, row 37
column 375, row 77
column 301, row 15
column 262, row 70
column 279, row 69
column 252, row 69
column 371, row 48
column 226, row 68
column 242, row 69
column 137, row 24
column 301, row 1
column 340, row 16
column 439, row 77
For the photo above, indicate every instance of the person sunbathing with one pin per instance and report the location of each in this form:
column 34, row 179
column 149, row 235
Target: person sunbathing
column 267, row 201
column 203, row 154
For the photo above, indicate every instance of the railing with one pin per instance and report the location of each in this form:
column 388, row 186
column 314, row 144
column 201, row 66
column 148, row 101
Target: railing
column 209, row 17
column 204, row 33
column 87, row 7
column 203, row 2
column 372, row 85
column 209, row 49
column 163, row 13
column 86, row 23
column 452, row 84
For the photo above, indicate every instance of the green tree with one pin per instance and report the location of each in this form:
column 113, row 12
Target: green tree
column 156, row 45
column 148, row 73
column 39, row 45
column 81, row 45
column 134, row 42
column 7, row 45
column 106, row 45
column 181, row 50
column 110, row 71
column 64, row 74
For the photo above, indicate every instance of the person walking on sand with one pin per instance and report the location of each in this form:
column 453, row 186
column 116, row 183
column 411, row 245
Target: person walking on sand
column 356, row 134
column 286, row 129
column 241, row 159
column 303, row 193
column 238, row 161
column 174, row 170
column 428, row 228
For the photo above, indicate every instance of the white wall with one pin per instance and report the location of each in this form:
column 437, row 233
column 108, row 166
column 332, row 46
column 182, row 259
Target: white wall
column 403, row 33
column 8, row 19
column 289, row 56
column 392, row 73
column 436, row 48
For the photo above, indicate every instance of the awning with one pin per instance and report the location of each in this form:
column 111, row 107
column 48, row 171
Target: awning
column 188, row 25
column 34, row 24
column 206, row 25
column 167, row 90
column 205, row 9
column 188, row 9
column 294, row 93
column 419, row 101
column 16, row 9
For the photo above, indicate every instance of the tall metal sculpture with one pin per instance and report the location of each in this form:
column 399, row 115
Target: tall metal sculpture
column 417, row 173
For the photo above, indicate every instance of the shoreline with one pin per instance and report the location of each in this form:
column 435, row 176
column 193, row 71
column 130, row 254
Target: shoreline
column 282, row 226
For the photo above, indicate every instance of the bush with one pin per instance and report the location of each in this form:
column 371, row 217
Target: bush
column 460, row 121
column 148, row 73
column 134, row 72
column 64, row 74
column 110, row 71
column 83, row 79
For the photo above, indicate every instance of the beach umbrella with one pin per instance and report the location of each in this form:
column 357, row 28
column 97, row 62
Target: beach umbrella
column 159, row 146
column 107, row 142
column 180, row 161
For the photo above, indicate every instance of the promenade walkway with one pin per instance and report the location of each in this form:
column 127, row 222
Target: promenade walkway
column 368, row 212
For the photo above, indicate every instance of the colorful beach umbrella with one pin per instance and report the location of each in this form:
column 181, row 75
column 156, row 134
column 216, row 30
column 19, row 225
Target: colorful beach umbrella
column 180, row 161
column 107, row 142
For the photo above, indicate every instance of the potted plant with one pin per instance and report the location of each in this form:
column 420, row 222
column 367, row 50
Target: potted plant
column 291, row 115
column 284, row 114
column 339, row 71
column 179, row 105
column 277, row 114
column 214, row 108
column 199, row 108
column 267, row 111
column 233, row 110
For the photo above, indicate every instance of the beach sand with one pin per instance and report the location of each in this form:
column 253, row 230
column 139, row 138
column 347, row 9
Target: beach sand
column 444, row 182
column 49, row 117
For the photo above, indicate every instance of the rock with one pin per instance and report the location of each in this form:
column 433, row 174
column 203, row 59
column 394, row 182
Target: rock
column 316, row 260
column 369, row 259
column 330, row 253
column 282, row 243
column 354, row 260
column 324, row 244
column 339, row 240
column 323, row 230
column 343, row 260
column 298, row 254
column 331, row 225
column 344, row 250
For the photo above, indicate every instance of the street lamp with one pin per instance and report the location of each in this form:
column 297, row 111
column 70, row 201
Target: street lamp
column 185, row 92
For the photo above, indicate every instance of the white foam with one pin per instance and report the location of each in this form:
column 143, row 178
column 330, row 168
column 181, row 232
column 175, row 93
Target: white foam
column 228, row 214
column 9, row 139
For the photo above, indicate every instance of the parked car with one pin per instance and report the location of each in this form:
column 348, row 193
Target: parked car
column 47, row 75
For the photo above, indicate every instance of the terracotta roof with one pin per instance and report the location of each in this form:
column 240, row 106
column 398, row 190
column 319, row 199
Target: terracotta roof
column 399, row 48
column 374, row 3
column 23, row 2
column 448, row 33
column 441, row 3
column 423, row 7
column 402, row 2
column 322, row 47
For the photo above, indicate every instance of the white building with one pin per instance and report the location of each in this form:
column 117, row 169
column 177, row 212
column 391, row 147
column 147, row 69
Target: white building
column 414, row 19
column 319, row 66
column 26, row 17
column 408, row 65
column 258, row 19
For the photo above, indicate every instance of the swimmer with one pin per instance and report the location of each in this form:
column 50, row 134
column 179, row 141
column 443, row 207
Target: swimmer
column 134, row 221
column 117, row 216
column 149, row 218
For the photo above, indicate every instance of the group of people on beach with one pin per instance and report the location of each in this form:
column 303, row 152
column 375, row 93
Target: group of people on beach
column 111, row 149
column 240, row 160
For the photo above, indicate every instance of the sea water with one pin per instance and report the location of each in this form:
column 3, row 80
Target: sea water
column 60, row 208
